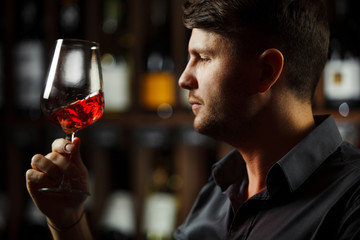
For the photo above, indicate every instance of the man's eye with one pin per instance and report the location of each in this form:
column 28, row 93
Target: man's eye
column 204, row 59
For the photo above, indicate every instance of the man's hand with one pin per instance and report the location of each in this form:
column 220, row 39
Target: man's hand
column 62, row 209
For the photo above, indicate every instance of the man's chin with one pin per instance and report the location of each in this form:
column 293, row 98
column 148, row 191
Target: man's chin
column 210, row 127
column 203, row 127
column 198, row 125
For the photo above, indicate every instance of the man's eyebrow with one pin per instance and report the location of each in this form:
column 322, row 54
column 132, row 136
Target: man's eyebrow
column 201, row 50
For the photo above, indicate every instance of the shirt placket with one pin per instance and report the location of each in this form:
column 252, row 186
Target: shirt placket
column 245, row 218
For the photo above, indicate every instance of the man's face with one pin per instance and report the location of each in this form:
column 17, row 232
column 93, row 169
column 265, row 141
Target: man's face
column 221, row 90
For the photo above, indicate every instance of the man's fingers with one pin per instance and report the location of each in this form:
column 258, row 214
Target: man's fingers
column 36, row 180
column 61, row 161
column 74, row 149
column 47, row 166
column 68, row 148
column 64, row 146
column 64, row 160
column 60, row 146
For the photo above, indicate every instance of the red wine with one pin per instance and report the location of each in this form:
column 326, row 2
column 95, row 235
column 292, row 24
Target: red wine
column 79, row 114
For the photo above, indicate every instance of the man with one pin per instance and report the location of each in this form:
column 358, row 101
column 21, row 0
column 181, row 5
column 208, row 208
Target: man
column 253, row 69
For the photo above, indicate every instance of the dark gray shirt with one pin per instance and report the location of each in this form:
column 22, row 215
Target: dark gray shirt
column 313, row 192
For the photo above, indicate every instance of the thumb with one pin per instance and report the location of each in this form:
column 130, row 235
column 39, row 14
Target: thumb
column 73, row 149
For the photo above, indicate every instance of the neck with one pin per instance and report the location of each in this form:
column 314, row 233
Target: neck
column 279, row 133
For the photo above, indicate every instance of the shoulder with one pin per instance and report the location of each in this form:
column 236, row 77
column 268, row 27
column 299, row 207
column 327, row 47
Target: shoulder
column 209, row 193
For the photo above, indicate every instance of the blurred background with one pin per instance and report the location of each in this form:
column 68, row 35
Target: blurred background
column 146, row 162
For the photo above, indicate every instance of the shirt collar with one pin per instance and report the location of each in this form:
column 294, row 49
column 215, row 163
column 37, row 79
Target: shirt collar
column 298, row 164
column 292, row 169
column 229, row 169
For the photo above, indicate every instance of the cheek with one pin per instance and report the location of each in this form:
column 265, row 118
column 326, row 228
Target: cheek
column 239, row 84
column 208, row 80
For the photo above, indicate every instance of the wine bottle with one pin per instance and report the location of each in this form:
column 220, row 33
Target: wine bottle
column 29, row 56
column 116, row 74
column 118, row 221
column 111, row 11
column 117, row 66
column 342, row 80
column 160, row 206
column 70, row 19
column 158, row 84
column 111, row 182
column 342, row 71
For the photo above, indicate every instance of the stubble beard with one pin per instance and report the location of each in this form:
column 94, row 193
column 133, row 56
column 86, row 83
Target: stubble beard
column 212, row 122
column 225, row 125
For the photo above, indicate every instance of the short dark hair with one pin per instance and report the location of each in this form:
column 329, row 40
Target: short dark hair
column 298, row 28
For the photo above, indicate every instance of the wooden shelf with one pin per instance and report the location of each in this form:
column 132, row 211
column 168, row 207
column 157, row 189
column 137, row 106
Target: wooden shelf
column 178, row 118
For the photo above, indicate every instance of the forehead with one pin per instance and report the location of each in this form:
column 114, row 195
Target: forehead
column 205, row 41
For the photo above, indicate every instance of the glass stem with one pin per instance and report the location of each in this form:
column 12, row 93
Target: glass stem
column 65, row 184
column 70, row 137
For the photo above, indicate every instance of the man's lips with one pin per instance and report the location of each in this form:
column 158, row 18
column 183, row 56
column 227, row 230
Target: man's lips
column 194, row 100
column 195, row 107
column 195, row 103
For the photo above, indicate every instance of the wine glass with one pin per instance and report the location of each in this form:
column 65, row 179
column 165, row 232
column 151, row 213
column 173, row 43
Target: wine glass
column 72, row 96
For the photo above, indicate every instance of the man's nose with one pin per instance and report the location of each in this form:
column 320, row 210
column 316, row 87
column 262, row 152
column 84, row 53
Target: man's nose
column 188, row 79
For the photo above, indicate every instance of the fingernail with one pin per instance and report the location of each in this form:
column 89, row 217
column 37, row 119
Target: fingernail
column 69, row 147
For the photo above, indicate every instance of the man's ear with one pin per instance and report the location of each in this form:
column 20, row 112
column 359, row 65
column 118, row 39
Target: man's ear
column 272, row 65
